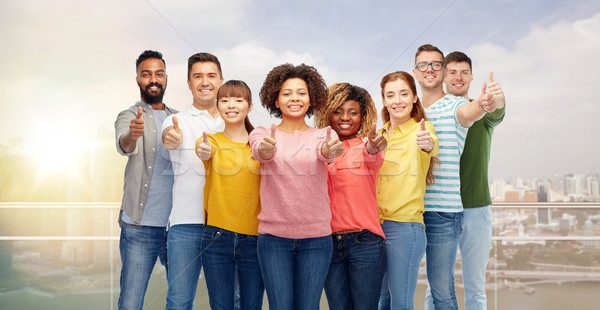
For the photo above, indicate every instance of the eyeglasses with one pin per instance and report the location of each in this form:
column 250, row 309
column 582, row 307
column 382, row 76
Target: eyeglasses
column 436, row 66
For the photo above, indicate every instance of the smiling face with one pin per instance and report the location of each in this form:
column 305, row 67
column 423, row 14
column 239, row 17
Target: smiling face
column 346, row 119
column 430, row 78
column 204, row 82
column 293, row 99
column 458, row 78
column 398, row 100
column 233, row 110
column 152, row 80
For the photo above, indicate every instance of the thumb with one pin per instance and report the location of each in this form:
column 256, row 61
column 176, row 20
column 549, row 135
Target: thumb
column 491, row 76
column 273, row 128
column 373, row 132
column 423, row 124
column 205, row 137
column 175, row 123
column 483, row 88
column 139, row 115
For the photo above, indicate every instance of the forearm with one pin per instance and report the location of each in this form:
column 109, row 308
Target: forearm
column 469, row 113
column 127, row 143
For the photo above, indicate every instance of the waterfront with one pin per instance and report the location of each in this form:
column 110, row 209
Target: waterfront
column 581, row 295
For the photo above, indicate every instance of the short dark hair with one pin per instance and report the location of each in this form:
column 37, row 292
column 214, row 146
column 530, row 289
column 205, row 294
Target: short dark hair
column 203, row 57
column 317, row 89
column 458, row 57
column 147, row 54
column 427, row 48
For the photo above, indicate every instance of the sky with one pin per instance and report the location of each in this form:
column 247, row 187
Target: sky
column 69, row 66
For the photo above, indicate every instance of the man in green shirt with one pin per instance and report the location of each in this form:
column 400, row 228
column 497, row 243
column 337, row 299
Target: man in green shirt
column 476, row 237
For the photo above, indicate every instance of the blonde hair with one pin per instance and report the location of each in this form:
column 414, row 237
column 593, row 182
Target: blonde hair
column 339, row 93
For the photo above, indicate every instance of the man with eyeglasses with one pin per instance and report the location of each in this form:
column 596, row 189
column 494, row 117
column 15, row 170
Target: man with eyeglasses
column 451, row 116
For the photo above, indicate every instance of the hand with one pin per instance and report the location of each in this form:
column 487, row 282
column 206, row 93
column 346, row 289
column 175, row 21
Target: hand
column 136, row 127
column 424, row 140
column 376, row 142
column 173, row 136
column 495, row 90
column 332, row 148
column 266, row 149
column 486, row 101
column 204, row 148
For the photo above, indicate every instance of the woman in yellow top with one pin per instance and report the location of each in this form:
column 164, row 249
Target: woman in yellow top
column 406, row 170
column 231, row 204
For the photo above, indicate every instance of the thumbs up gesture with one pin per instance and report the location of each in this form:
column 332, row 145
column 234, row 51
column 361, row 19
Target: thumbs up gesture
column 332, row 147
column 496, row 91
column 172, row 136
column 204, row 148
column 486, row 101
column 266, row 149
column 136, row 127
column 376, row 141
column 424, row 140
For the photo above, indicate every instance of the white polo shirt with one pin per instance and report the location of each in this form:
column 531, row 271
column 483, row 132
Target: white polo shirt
column 188, row 186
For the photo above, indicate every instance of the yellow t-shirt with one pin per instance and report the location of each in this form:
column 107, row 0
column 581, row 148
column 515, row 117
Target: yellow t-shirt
column 401, row 180
column 231, row 192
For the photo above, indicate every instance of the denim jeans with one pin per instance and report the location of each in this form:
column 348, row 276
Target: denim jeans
column 443, row 231
column 224, row 253
column 294, row 270
column 405, row 246
column 140, row 246
column 184, row 249
column 475, row 244
column 356, row 271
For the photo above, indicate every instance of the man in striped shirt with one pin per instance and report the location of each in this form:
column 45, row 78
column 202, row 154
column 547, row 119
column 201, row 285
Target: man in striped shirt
column 451, row 116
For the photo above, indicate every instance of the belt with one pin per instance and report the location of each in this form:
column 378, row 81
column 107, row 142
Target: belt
column 343, row 232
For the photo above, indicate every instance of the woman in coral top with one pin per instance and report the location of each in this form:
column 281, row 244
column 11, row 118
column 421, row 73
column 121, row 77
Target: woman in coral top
column 401, row 183
column 231, row 204
column 358, row 263
column 294, row 242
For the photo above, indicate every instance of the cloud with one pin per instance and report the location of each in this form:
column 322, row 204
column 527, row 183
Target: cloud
column 549, row 78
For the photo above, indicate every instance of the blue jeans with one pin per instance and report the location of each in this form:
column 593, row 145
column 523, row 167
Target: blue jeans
column 356, row 271
column 224, row 253
column 294, row 270
column 475, row 244
column 405, row 246
column 184, row 249
column 443, row 231
column 140, row 246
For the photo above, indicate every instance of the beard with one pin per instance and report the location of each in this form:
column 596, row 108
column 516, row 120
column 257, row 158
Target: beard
column 150, row 98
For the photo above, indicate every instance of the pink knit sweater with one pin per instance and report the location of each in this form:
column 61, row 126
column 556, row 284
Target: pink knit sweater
column 293, row 185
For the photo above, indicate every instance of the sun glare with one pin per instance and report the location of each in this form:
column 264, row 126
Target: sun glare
column 56, row 150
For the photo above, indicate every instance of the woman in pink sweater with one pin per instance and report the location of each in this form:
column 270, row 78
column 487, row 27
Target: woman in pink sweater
column 294, row 243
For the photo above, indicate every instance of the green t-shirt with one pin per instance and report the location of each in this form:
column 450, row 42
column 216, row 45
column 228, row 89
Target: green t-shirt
column 474, row 188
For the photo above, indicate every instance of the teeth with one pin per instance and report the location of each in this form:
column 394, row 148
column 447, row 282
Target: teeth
column 345, row 126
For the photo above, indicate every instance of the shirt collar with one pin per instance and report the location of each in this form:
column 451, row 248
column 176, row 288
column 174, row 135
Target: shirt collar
column 403, row 128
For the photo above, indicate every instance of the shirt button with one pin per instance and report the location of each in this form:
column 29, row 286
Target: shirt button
column 145, row 185
column 151, row 116
column 153, row 149
column 155, row 131
column 141, row 204
column 149, row 167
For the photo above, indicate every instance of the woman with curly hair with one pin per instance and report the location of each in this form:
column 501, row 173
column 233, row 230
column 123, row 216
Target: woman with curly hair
column 358, row 263
column 294, row 242
column 407, row 169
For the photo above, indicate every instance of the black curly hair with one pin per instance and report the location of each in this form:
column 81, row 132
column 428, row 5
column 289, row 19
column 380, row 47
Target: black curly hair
column 317, row 89
column 146, row 55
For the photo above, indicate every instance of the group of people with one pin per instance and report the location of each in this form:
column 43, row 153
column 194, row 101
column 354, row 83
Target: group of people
column 294, row 209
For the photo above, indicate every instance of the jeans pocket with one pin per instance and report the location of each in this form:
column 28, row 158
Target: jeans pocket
column 210, row 233
column 367, row 237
